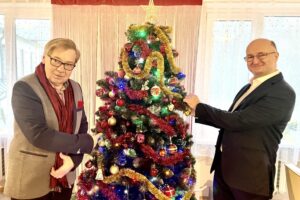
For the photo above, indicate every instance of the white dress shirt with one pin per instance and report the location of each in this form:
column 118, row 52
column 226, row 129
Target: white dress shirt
column 255, row 82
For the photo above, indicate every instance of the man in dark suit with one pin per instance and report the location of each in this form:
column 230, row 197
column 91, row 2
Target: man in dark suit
column 250, row 132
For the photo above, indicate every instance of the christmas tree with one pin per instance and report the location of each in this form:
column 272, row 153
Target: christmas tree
column 144, row 151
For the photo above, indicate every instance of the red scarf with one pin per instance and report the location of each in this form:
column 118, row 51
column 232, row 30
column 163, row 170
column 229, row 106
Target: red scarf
column 64, row 114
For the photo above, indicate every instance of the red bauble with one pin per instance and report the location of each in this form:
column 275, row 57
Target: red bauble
column 120, row 102
column 140, row 138
column 111, row 113
column 169, row 191
column 103, row 109
column 103, row 124
column 153, row 171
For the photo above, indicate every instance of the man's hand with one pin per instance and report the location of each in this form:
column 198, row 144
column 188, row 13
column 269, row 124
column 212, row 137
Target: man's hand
column 192, row 101
column 64, row 169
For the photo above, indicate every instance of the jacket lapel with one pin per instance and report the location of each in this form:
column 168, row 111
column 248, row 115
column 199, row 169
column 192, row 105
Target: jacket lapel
column 259, row 90
column 239, row 94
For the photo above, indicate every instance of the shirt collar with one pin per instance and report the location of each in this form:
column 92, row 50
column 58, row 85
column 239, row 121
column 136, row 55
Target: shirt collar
column 62, row 88
column 260, row 80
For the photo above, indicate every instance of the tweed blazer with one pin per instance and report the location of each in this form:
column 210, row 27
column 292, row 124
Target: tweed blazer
column 37, row 139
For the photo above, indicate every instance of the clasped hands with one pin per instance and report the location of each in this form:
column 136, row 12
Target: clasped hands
column 68, row 163
column 65, row 168
column 192, row 101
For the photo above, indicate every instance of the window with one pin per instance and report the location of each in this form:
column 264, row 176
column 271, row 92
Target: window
column 285, row 30
column 230, row 36
column 24, row 29
column 31, row 36
column 226, row 31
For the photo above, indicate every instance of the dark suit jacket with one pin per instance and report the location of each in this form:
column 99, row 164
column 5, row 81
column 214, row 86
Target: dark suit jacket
column 250, row 135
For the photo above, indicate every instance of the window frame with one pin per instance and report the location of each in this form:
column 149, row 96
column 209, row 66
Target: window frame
column 213, row 10
column 12, row 12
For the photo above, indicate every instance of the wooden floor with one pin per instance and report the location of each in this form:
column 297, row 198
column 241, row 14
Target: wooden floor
column 3, row 197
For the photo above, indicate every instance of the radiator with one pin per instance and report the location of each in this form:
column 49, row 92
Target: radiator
column 285, row 155
column 280, row 178
column 3, row 157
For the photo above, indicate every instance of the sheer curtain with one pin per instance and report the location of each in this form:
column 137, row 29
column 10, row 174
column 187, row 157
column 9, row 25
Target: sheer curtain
column 221, row 75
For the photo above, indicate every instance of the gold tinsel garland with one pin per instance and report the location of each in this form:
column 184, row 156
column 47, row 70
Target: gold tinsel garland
column 155, row 55
column 129, row 72
column 162, row 37
column 141, row 178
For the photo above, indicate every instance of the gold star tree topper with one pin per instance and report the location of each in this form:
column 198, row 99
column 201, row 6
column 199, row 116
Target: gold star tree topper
column 151, row 12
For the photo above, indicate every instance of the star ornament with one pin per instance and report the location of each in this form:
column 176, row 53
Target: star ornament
column 151, row 12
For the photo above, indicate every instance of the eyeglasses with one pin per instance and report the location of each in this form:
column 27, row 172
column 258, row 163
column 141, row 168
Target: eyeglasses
column 57, row 63
column 259, row 56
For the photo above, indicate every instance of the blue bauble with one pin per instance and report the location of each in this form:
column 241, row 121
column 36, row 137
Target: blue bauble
column 179, row 197
column 180, row 75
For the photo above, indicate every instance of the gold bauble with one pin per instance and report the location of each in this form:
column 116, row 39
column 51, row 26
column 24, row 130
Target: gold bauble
column 188, row 111
column 168, row 173
column 114, row 169
column 111, row 94
column 112, row 121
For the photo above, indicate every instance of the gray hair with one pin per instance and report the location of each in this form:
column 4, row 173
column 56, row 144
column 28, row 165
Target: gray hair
column 61, row 43
column 273, row 44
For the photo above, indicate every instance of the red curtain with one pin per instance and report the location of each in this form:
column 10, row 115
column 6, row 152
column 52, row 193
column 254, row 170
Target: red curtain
column 126, row 2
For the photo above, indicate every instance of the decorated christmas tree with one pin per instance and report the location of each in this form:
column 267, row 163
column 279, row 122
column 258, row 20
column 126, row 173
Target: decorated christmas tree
column 144, row 151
